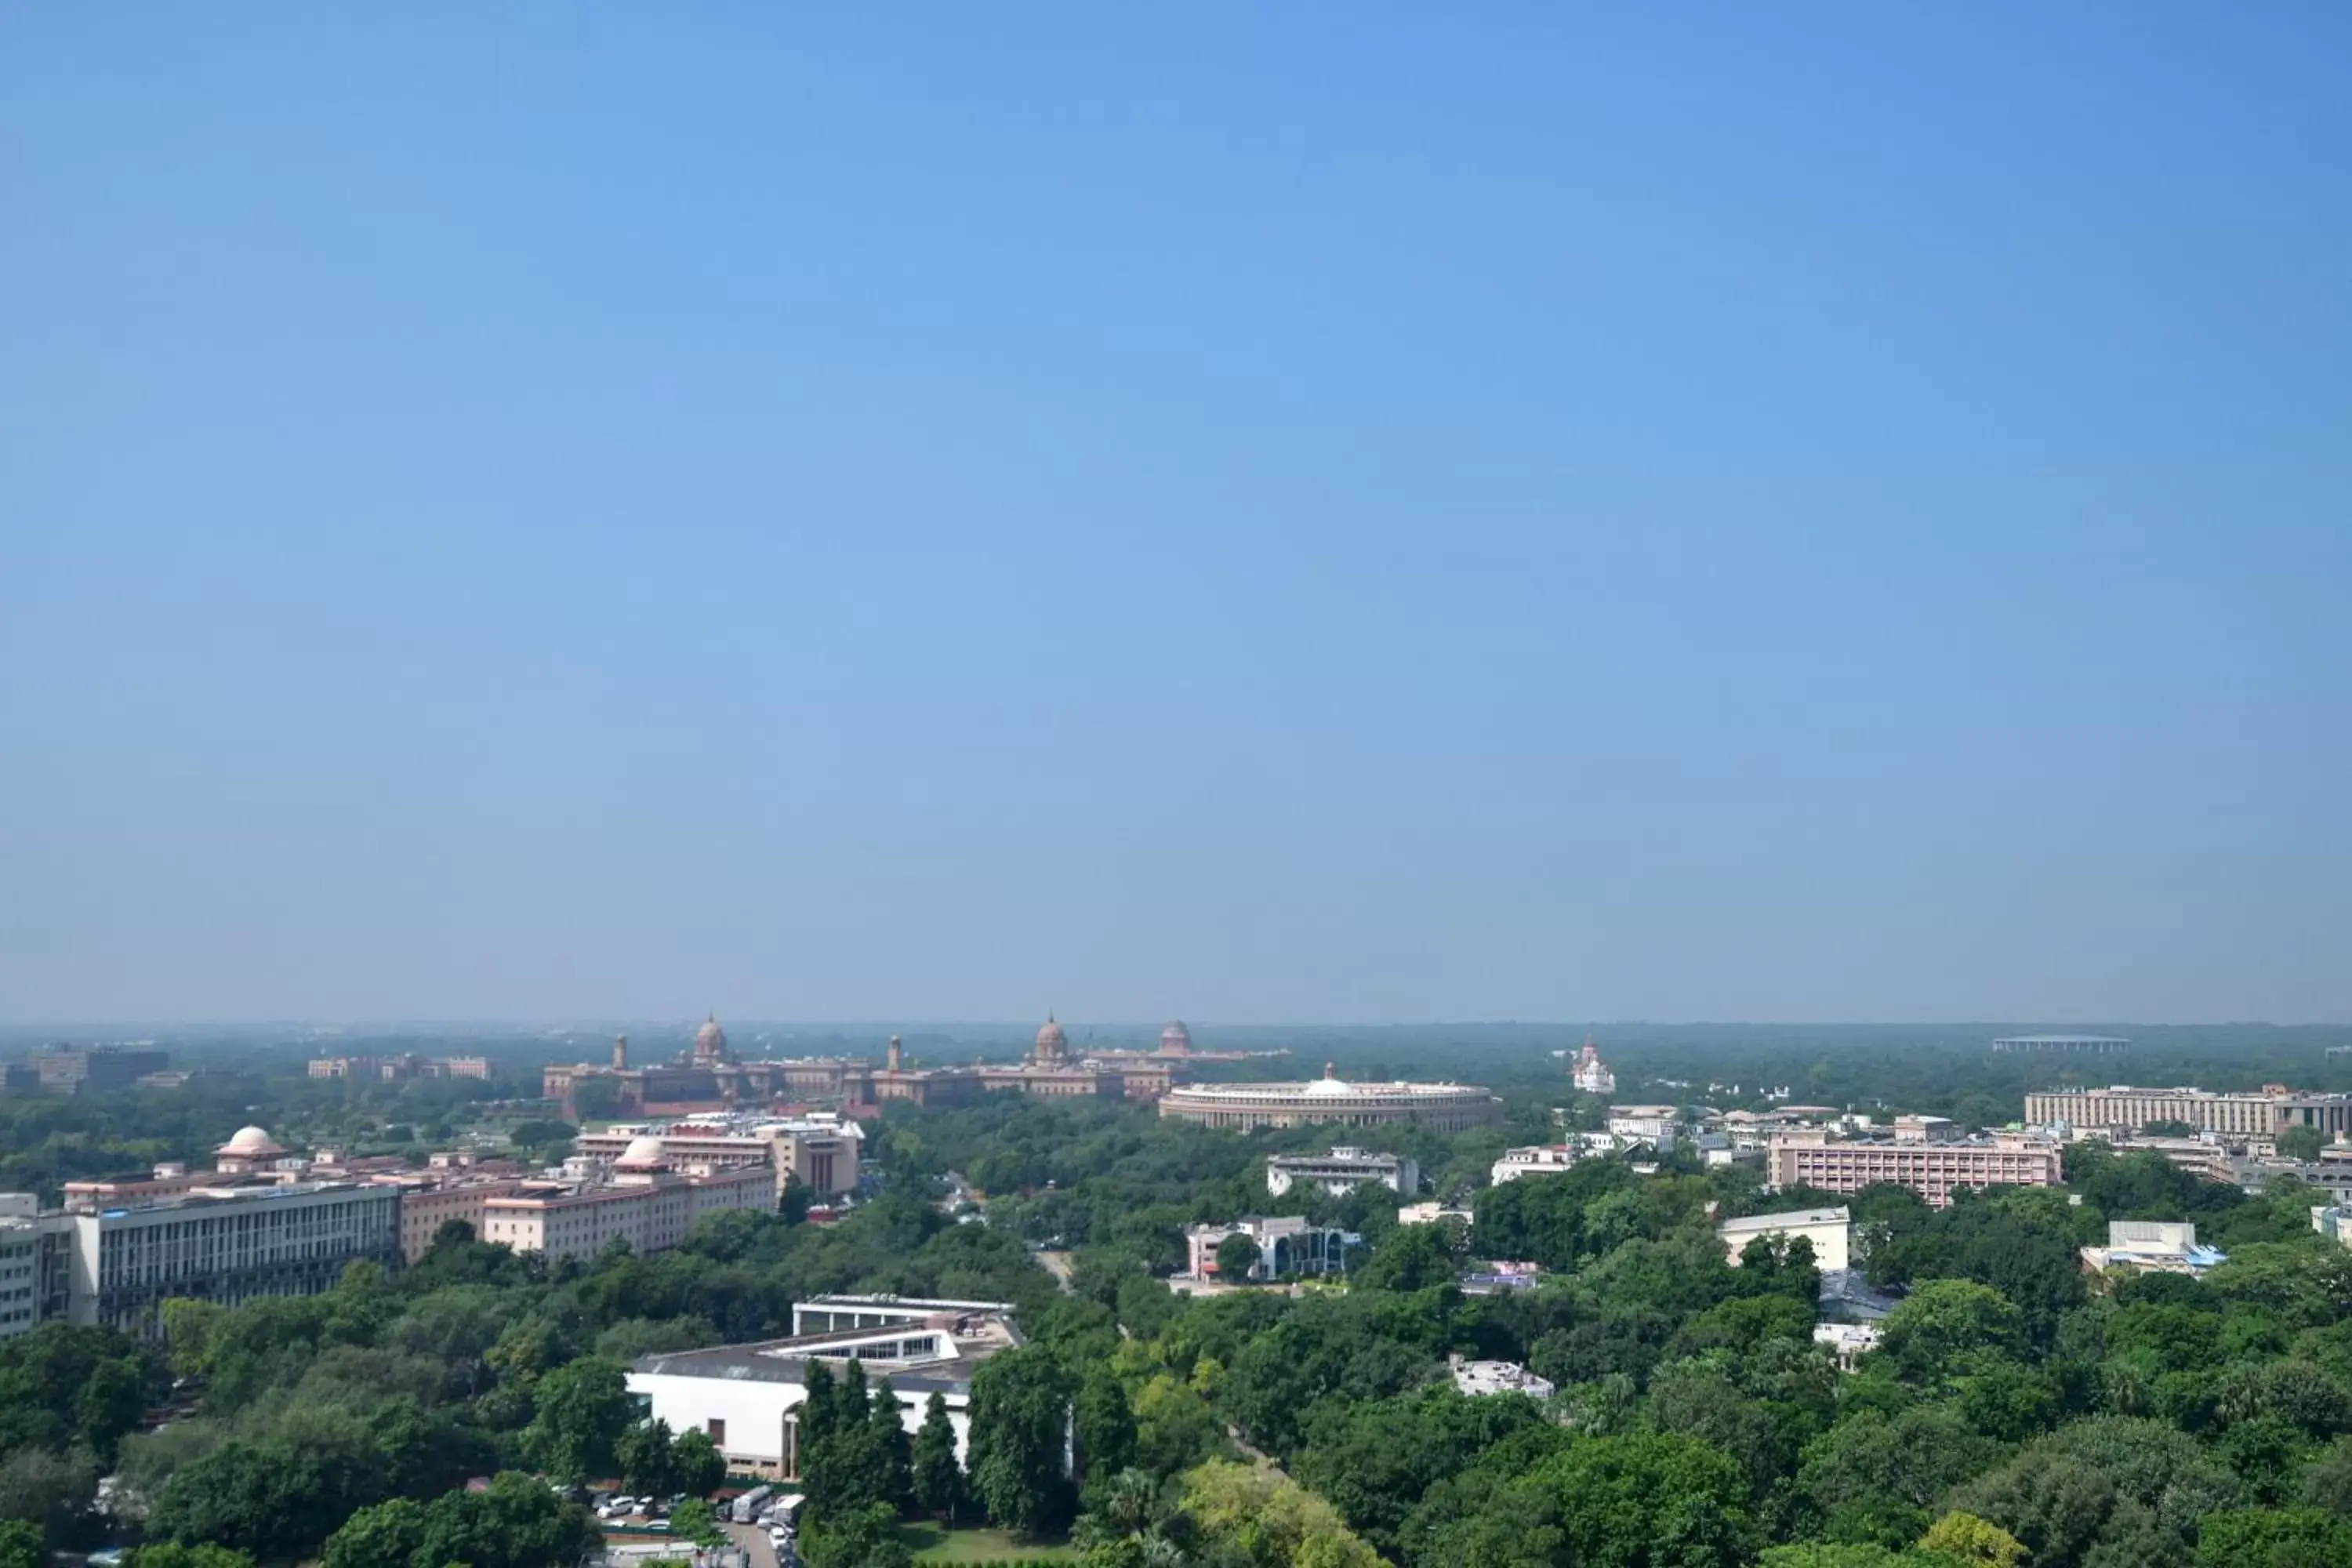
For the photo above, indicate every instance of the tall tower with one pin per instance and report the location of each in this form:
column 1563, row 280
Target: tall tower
column 620, row 1053
column 890, row 1056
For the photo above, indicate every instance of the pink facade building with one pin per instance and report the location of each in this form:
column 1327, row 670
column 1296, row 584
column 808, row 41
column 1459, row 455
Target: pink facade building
column 1934, row 1168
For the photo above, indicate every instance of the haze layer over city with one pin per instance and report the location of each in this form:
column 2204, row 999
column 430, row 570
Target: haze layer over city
column 845, row 788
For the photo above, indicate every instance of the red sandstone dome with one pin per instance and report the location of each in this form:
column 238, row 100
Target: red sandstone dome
column 1050, row 1039
column 1176, row 1040
column 709, row 1040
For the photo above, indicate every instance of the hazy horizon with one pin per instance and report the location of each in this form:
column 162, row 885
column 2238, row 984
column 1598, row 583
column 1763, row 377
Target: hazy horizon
column 540, row 514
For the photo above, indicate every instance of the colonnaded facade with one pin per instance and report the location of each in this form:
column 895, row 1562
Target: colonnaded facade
column 1441, row 1107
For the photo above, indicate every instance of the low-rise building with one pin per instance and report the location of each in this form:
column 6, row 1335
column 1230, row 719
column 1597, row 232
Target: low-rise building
column 2152, row 1246
column 1434, row 1212
column 1478, row 1377
column 1815, row 1157
column 1285, row 1247
column 2332, row 1221
column 747, row 1397
column 1829, row 1230
column 1534, row 1160
column 1848, row 1342
column 1342, row 1170
column 1658, row 1125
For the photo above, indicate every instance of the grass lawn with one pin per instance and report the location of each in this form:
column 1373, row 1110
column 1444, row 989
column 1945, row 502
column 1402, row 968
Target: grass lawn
column 937, row 1544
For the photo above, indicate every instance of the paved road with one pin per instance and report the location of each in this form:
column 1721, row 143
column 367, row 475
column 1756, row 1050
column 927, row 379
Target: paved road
column 753, row 1540
column 1057, row 1264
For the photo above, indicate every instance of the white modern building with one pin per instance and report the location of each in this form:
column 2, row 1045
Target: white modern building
column 1535, row 1159
column 1342, row 1170
column 745, row 1397
column 1434, row 1212
column 1656, row 1124
column 2153, row 1246
column 1848, row 1342
column 1477, row 1377
column 1830, row 1230
column 1286, row 1246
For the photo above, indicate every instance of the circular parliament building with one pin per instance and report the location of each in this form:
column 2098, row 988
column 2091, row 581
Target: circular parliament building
column 1441, row 1107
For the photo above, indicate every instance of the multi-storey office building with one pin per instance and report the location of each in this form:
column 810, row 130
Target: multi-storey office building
column 2264, row 1113
column 97, row 1068
column 35, row 1267
column 229, row 1244
column 1815, row 1157
column 431, row 1199
column 647, row 1203
column 820, row 1152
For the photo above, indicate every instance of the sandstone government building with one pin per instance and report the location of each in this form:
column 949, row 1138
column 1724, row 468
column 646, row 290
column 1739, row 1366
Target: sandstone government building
column 1326, row 1100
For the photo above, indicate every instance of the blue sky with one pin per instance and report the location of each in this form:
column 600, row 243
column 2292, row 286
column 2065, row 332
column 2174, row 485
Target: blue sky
column 1367, row 513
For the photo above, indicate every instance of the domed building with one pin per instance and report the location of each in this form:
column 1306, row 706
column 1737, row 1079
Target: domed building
column 248, row 1148
column 1330, row 1100
column 711, row 1042
column 1176, row 1040
column 1052, row 1046
column 644, row 1153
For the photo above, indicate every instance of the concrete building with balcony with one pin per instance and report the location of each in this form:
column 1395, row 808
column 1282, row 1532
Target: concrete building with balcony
column 1657, row 1125
column 1285, row 1247
column 1534, row 1160
column 1342, row 1170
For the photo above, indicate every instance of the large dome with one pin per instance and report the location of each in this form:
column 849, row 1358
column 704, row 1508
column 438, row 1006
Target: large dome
column 1328, row 1086
column 1176, row 1039
column 251, row 1140
column 1050, row 1037
column 641, row 1154
column 709, row 1039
